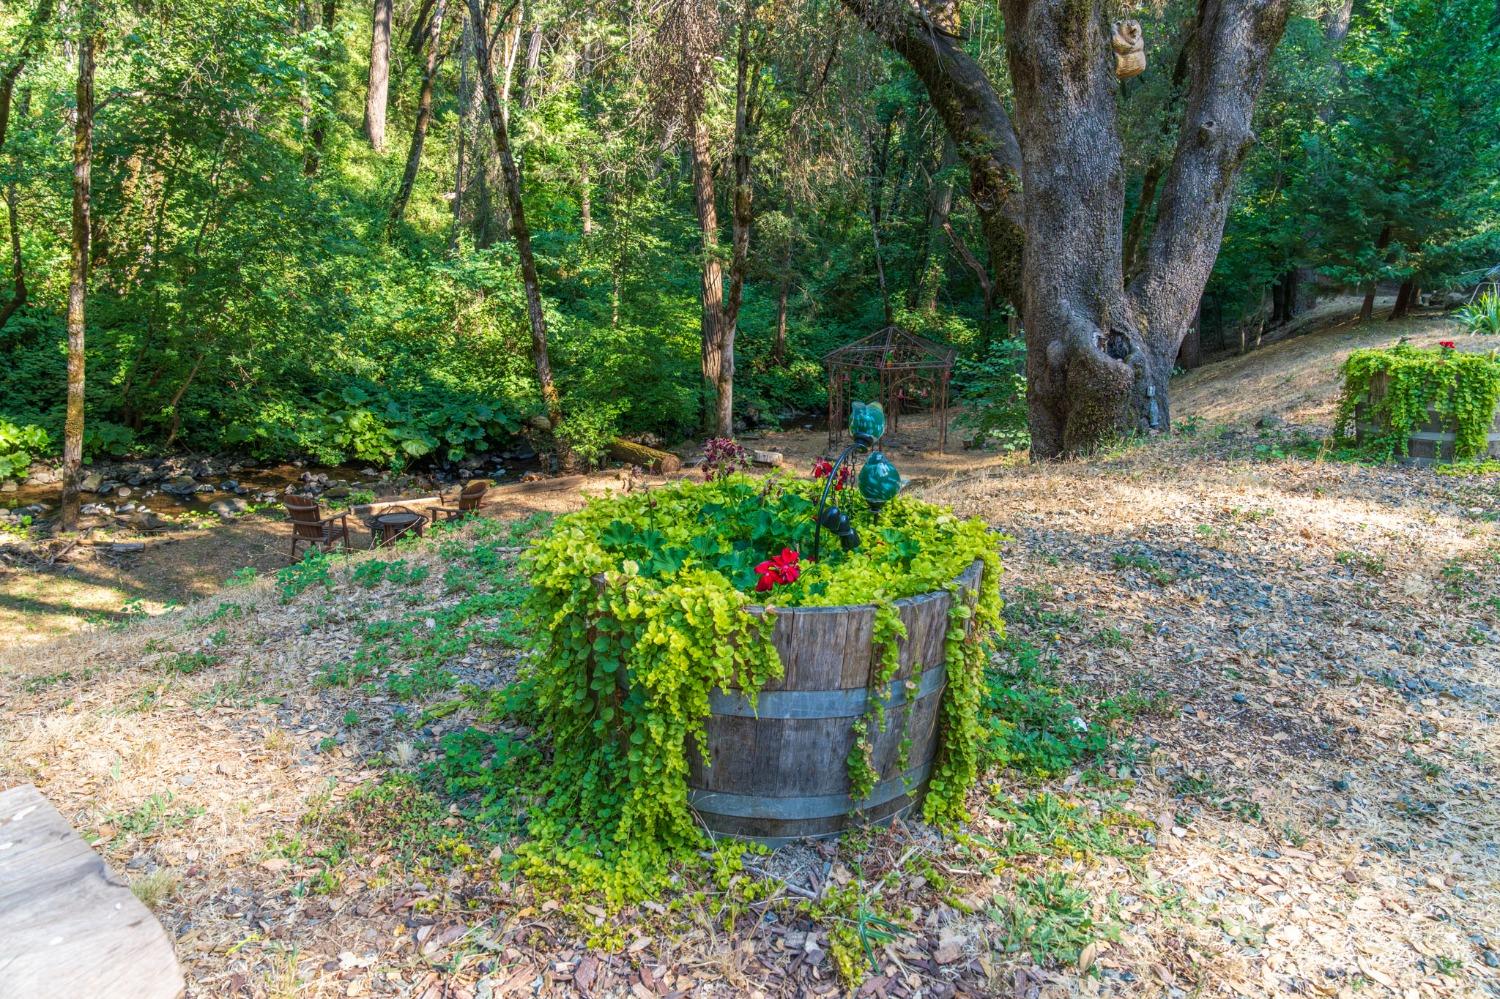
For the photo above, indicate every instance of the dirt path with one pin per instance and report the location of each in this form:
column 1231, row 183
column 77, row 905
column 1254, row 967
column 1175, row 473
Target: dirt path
column 94, row 584
column 1297, row 379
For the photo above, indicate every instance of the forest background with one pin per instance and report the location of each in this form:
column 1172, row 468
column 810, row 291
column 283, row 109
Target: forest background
column 301, row 246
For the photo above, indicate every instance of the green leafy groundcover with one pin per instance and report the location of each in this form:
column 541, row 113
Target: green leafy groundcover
column 1463, row 387
column 677, row 565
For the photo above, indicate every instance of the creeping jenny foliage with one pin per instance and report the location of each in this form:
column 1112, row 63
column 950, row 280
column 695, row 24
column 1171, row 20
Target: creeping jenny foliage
column 1400, row 383
column 639, row 603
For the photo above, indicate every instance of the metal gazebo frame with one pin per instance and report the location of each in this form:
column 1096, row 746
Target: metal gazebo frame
column 908, row 367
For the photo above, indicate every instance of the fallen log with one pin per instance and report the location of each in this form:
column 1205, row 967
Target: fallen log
column 649, row 458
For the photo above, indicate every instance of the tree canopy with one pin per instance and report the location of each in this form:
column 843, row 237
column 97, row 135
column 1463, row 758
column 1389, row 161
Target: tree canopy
column 286, row 263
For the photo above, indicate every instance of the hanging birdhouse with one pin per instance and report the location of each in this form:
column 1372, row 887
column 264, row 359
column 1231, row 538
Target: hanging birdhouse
column 1130, row 49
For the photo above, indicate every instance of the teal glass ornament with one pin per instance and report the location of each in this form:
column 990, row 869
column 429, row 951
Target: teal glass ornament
column 867, row 422
column 879, row 482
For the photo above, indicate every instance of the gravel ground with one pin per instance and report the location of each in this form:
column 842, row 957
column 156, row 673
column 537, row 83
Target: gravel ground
column 1329, row 633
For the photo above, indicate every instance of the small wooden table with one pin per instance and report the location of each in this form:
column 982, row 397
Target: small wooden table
column 387, row 527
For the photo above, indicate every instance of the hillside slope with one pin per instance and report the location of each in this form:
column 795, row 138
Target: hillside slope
column 1297, row 379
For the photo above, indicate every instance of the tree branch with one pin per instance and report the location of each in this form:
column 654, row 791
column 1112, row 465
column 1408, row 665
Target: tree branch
column 973, row 115
column 1235, row 39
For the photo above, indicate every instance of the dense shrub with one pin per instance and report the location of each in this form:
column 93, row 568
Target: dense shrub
column 1482, row 315
column 993, row 392
column 19, row 447
column 1398, row 385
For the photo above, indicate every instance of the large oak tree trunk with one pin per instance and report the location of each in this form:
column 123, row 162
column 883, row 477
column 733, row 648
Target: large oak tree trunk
column 1099, row 351
column 551, row 401
column 378, row 90
column 83, row 152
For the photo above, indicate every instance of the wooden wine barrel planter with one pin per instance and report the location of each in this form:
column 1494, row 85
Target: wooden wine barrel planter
column 779, row 771
column 1430, row 443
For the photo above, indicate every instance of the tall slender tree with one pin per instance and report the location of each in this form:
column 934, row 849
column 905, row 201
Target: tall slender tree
column 314, row 155
column 424, row 110
column 688, row 41
column 8, row 76
column 540, row 359
column 83, row 154
column 377, row 93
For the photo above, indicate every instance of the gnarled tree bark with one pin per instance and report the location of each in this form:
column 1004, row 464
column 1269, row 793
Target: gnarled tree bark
column 1099, row 349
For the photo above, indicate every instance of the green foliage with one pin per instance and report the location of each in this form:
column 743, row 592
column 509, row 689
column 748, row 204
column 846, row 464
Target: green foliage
column 191, row 662
column 1032, row 724
column 19, row 447
column 1045, row 825
column 591, row 428
column 1374, row 159
column 316, row 568
column 1482, row 315
column 993, row 392
column 1051, row 918
column 373, row 572
column 489, row 773
column 1394, row 387
column 639, row 605
column 413, row 651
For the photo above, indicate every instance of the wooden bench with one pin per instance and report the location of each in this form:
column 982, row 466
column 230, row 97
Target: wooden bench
column 69, row 928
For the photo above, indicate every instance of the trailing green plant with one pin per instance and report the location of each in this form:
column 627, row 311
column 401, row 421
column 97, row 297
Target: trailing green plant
column 1394, row 388
column 639, row 604
column 1481, row 315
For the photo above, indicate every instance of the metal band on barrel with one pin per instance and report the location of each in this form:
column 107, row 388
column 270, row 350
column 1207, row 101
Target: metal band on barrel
column 814, row 806
column 848, row 703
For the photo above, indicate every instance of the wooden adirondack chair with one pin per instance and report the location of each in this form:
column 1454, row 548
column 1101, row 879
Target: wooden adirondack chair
column 464, row 502
column 309, row 527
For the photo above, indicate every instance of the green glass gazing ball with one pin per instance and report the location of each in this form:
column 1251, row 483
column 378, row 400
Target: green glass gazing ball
column 879, row 482
column 867, row 420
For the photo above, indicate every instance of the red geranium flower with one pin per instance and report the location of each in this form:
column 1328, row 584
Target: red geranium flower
column 778, row 570
column 822, row 469
column 1447, row 345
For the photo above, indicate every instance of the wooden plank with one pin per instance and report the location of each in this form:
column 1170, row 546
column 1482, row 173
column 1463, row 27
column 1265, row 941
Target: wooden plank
column 813, row 649
column 68, row 927
column 859, row 653
column 784, row 637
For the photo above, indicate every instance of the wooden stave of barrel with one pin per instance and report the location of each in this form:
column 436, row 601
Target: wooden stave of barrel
column 779, row 768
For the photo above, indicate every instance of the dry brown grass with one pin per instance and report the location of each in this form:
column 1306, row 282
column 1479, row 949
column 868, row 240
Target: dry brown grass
column 1297, row 378
column 1368, row 868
